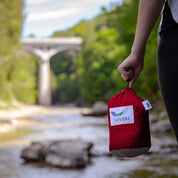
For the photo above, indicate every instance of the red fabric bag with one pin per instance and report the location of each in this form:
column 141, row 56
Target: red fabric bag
column 128, row 118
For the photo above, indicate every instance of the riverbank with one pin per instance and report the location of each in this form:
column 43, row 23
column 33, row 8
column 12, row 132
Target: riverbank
column 15, row 121
column 18, row 116
column 21, row 110
column 66, row 123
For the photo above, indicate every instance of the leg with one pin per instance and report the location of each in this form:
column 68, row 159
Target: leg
column 168, row 66
column 168, row 77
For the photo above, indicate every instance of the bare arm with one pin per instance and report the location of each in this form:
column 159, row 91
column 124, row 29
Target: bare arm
column 148, row 13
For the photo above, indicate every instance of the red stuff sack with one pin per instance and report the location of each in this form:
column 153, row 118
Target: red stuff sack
column 128, row 118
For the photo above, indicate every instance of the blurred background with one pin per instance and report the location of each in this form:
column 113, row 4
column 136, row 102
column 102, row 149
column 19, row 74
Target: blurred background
column 107, row 29
column 79, row 82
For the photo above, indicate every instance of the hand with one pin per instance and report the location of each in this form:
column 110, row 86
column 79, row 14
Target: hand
column 131, row 68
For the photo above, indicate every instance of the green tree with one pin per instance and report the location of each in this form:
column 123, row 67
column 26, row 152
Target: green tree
column 124, row 20
column 17, row 68
column 97, row 65
column 107, row 41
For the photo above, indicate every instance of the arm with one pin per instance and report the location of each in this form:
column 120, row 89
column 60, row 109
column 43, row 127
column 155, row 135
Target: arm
column 148, row 13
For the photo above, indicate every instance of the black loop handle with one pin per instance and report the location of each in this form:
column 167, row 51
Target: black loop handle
column 127, row 70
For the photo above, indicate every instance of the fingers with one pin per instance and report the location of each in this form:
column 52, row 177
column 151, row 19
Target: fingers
column 126, row 73
column 136, row 74
column 130, row 69
column 130, row 74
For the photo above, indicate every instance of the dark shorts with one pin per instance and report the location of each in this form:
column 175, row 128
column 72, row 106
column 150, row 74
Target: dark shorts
column 168, row 66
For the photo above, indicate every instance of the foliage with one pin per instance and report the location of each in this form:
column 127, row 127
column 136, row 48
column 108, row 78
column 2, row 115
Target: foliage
column 107, row 40
column 11, row 25
column 98, row 70
column 68, row 88
column 125, row 22
column 18, row 69
column 114, row 34
column 64, row 83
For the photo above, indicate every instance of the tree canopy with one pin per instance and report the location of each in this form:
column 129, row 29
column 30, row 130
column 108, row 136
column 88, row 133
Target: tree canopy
column 107, row 42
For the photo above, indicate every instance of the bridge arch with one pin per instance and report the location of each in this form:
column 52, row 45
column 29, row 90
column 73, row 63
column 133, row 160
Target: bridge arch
column 45, row 48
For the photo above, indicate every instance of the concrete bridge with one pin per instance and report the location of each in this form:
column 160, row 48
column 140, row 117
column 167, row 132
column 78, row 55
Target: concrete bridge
column 45, row 48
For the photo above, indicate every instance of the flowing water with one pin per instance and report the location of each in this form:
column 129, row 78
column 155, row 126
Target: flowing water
column 71, row 125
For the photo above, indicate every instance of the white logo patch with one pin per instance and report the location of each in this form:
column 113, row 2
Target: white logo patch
column 147, row 105
column 121, row 115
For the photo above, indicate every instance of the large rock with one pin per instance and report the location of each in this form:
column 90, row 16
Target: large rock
column 62, row 153
column 99, row 108
column 36, row 152
column 69, row 154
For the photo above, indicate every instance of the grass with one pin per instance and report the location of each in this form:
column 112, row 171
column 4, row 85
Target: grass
column 13, row 135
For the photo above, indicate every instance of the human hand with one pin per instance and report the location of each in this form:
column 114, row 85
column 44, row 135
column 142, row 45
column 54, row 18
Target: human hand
column 131, row 68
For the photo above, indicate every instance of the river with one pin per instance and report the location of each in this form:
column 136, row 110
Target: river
column 71, row 125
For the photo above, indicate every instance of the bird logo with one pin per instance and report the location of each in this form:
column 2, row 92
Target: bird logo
column 117, row 114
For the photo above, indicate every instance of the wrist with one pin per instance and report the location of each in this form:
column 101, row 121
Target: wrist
column 138, row 52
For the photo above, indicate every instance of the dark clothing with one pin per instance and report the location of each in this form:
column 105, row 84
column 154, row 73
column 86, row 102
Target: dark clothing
column 168, row 66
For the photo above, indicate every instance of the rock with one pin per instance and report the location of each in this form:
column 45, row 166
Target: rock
column 108, row 154
column 161, row 127
column 36, row 152
column 163, row 146
column 62, row 153
column 69, row 154
column 87, row 112
column 169, row 148
column 153, row 119
column 99, row 108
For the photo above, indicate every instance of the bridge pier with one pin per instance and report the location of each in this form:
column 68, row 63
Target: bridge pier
column 45, row 48
column 44, row 88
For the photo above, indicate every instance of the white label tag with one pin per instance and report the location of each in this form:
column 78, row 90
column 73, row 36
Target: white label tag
column 121, row 115
column 147, row 105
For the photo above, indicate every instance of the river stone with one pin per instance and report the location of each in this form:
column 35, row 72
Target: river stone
column 36, row 152
column 99, row 108
column 69, row 154
column 169, row 148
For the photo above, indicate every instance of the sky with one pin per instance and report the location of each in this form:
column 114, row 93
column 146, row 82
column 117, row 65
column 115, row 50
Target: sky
column 44, row 17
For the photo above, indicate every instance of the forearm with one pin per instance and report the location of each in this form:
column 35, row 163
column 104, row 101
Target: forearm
column 148, row 13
